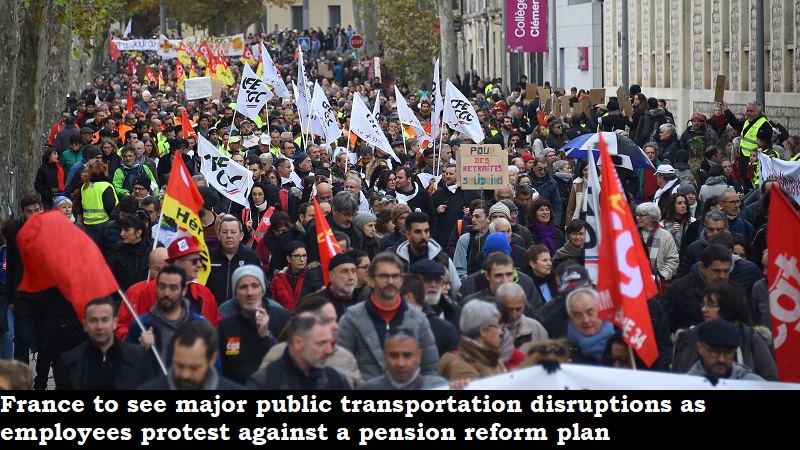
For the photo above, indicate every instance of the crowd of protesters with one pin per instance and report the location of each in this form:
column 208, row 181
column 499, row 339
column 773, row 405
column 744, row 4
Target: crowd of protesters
column 435, row 285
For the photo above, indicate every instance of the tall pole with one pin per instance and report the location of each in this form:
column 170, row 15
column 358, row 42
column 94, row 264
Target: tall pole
column 503, row 54
column 624, row 51
column 162, row 11
column 552, row 49
column 266, row 18
column 760, row 52
column 306, row 21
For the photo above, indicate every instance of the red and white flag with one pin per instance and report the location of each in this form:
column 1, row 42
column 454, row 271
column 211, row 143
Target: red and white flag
column 783, row 276
column 328, row 246
column 625, row 281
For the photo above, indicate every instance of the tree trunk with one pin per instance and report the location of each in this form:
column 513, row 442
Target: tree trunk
column 370, row 29
column 34, row 79
column 448, row 39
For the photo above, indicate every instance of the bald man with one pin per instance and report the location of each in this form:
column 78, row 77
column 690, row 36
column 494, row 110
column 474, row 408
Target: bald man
column 324, row 192
column 156, row 261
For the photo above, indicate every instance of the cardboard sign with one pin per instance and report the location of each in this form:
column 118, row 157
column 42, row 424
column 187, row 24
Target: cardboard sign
column 199, row 87
column 577, row 108
column 557, row 107
column 544, row 100
column 624, row 102
column 719, row 91
column 482, row 167
column 597, row 96
column 216, row 89
column 585, row 106
column 324, row 70
column 559, row 89
column 565, row 109
column 530, row 92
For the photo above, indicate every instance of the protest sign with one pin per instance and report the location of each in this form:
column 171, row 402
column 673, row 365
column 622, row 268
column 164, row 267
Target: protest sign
column 544, row 100
column 199, row 87
column 624, row 102
column 482, row 167
column 530, row 91
column 719, row 90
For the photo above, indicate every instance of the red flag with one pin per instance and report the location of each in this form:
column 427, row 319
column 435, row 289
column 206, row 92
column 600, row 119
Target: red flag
column 150, row 76
column 129, row 102
column 51, row 247
column 328, row 246
column 113, row 50
column 784, row 285
column 186, row 125
column 624, row 281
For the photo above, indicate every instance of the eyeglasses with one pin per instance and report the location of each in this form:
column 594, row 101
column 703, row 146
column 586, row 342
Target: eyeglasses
column 541, row 169
column 303, row 256
column 194, row 261
column 558, row 350
column 388, row 276
column 365, row 267
column 715, row 352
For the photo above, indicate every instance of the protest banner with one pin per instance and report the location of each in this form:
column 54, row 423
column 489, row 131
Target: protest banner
column 199, row 87
column 786, row 173
column 482, row 167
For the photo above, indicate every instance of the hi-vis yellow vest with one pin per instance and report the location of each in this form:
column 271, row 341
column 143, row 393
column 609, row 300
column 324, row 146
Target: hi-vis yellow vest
column 92, row 202
column 748, row 142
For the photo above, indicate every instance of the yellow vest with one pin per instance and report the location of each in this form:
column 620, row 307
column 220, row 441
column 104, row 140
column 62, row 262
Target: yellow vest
column 749, row 141
column 92, row 202
column 795, row 157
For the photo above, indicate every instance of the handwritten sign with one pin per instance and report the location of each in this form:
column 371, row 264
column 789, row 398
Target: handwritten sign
column 199, row 87
column 482, row 167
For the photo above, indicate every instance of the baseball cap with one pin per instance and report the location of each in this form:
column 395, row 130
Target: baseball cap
column 574, row 276
column 182, row 246
column 665, row 169
column 718, row 333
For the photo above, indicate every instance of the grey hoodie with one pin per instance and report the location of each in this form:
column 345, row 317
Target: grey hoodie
column 738, row 372
column 433, row 249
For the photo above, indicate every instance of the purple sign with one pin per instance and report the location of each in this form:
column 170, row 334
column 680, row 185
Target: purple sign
column 583, row 58
column 526, row 26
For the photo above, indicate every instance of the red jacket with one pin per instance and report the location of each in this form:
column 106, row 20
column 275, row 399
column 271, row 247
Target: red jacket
column 142, row 296
column 283, row 292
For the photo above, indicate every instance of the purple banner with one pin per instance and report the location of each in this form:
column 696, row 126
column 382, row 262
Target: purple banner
column 583, row 58
column 526, row 26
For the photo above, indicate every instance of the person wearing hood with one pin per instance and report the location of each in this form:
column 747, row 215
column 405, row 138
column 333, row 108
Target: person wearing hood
column 546, row 186
column 364, row 225
column 562, row 173
column 129, row 171
column 555, row 137
column 698, row 135
column 652, row 120
column 715, row 184
column 129, row 261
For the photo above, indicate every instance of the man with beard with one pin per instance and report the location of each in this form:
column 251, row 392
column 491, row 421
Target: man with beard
column 409, row 192
column 245, row 336
column 444, row 333
column 170, row 311
column 341, row 285
column 450, row 202
column 433, row 278
column 102, row 361
column 194, row 351
column 506, row 128
column 303, row 366
column 364, row 327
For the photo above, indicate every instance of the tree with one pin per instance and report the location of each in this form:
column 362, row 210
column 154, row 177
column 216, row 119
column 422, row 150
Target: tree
column 408, row 31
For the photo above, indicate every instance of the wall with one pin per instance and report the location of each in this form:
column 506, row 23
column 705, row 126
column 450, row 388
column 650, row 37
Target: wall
column 317, row 16
column 580, row 26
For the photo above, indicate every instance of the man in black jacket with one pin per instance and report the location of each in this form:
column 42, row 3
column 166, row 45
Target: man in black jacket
column 229, row 256
column 449, row 201
column 546, row 186
column 103, row 362
column 303, row 365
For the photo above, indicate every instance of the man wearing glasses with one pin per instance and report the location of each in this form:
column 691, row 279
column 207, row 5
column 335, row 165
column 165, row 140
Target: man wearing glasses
column 717, row 344
column 364, row 327
column 731, row 205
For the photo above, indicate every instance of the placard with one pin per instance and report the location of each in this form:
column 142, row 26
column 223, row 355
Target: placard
column 624, row 102
column 324, row 70
column 530, row 92
column 577, row 108
column 597, row 96
column 482, row 167
column 559, row 89
column 564, row 106
column 719, row 91
column 216, row 89
column 199, row 87
column 544, row 97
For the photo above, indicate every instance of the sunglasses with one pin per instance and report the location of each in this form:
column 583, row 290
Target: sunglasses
column 558, row 350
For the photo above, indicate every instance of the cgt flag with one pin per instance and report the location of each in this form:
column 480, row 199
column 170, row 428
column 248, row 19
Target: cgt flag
column 328, row 247
column 623, row 283
column 784, row 285
column 182, row 202
column 48, row 244
column 460, row 115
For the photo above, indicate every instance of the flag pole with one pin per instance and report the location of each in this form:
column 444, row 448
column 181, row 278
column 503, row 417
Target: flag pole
column 139, row 322
column 347, row 149
column 158, row 231
column 633, row 360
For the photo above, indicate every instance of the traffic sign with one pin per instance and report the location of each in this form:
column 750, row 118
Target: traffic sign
column 356, row 41
column 304, row 43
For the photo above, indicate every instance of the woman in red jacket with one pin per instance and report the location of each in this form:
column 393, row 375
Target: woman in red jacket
column 298, row 279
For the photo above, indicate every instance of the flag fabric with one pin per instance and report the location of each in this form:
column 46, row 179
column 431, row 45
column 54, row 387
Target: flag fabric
column 787, row 173
column 271, row 76
column 228, row 178
column 314, row 119
column 163, row 44
column 328, row 246
column 247, row 56
column 204, row 55
column 592, row 244
column 50, row 245
column 783, row 277
column 128, row 28
column 253, row 94
column 182, row 202
column 113, row 50
column 302, row 87
column 365, row 125
column 129, row 101
column 436, row 102
column 184, row 55
column 180, row 74
column 303, row 110
column 460, row 115
column 625, row 280
column 186, row 125
column 321, row 107
column 408, row 117
column 192, row 70
column 161, row 81
column 150, row 76
column 224, row 71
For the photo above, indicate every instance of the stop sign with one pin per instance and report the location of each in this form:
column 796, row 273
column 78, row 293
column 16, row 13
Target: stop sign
column 356, row 41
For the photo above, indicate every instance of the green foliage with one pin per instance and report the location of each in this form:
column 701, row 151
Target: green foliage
column 215, row 15
column 86, row 19
column 408, row 31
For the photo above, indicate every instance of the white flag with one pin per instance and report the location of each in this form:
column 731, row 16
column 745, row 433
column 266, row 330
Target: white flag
column 226, row 176
column 593, row 234
column 302, row 108
column 321, row 108
column 302, row 81
column 364, row 124
column 436, row 102
column 253, row 94
column 460, row 115
column 408, row 117
column 271, row 76
column 128, row 29
column 376, row 108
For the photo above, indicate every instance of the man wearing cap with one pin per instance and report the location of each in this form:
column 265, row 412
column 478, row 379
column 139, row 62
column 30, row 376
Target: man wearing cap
column 433, row 278
column 717, row 342
column 264, row 143
column 341, row 284
column 248, row 330
column 698, row 136
column 235, row 145
column 364, row 327
column 446, row 335
column 667, row 183
column 249, row 140
column 302, row 166
column 749, row 128
column 229, row 256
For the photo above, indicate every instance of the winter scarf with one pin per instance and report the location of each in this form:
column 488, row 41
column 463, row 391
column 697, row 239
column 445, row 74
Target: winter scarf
column 545, row 232
column 592, row 346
